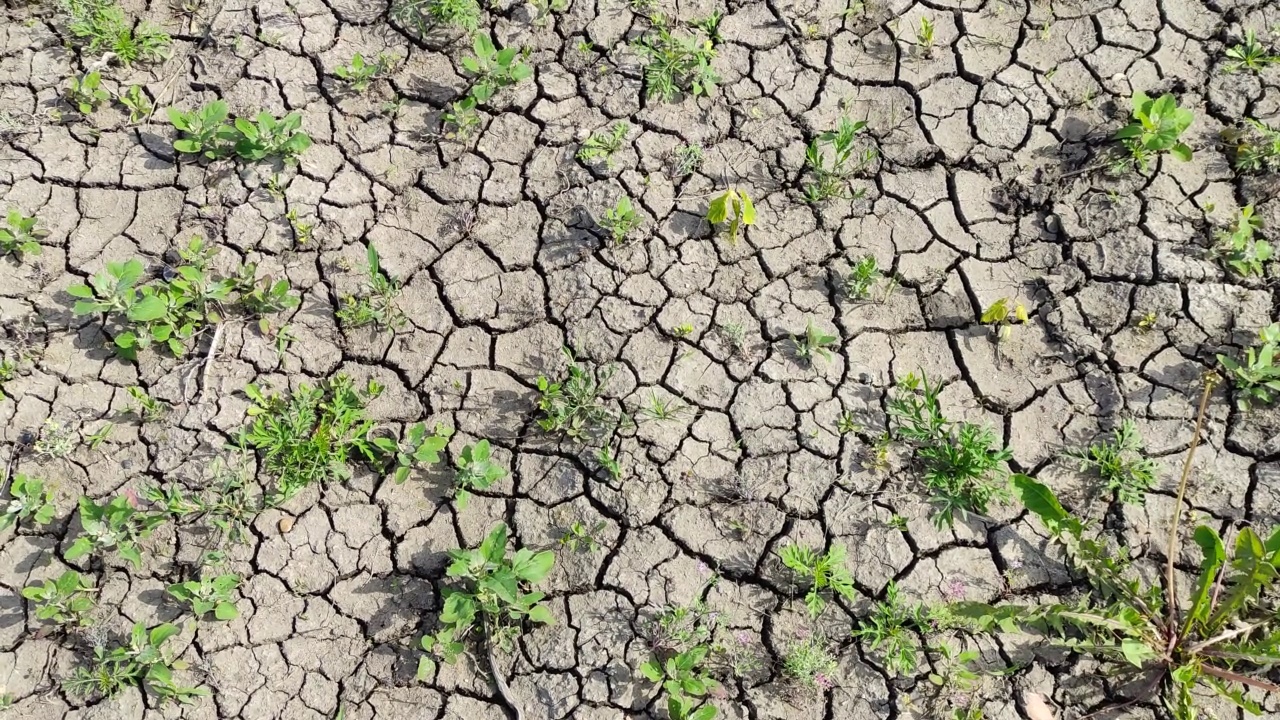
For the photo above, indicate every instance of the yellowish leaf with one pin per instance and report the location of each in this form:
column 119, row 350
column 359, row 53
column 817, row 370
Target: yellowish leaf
column 1037, row 708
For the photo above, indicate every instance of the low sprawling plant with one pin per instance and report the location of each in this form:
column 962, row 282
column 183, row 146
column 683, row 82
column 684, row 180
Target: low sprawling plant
column 1255, row 147
column 230, row 504
column 100, row 26
column 814, row 343
column 861, row 279
column 29, row 499
column 579, row 537
column 810, row 665
column 146, row 407
column 822, row 571
column 173, row 309
column 358, row 73
column 1157, row 127
column 1119, row 462
column 476, row 471
column 86, row 93
column 620, row 220
column 829, row 160
column 675, row 62
column 20, row 236
column 1249, row 55
column 1219, row 637
column 136, row 102
column 378, row 305
column 314, row 434
column 686, row 681
column 602, row 146
column 1238, row 247
column 488, row 599
column 64, row 601
column 734, row 207
column 426, row 14
column 210, row 594
column 206, row 133
column 118, row 524
column 572, row 406
column 687, row 159
column 142, row 663
column 1255, row 377
column 961, row 469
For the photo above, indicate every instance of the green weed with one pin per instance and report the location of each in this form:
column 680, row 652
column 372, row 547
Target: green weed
column 65, row 601
column 30, row 499
column 620, row 220
column 810, row 664
column 1255, row 147
column 1239, row 249
column 1119, row 462
column 602, row 146
column 893, row 629
column 136, row 101
column 378, row 306
column 20, row 236
column 675, row 63
column 734, row 207
column 1255, row 379
column 141, row 663
column 572, row 406
column 358, row 73
column 833, row 168
column 476, row 471
column 822, row 572
column 100, row 26
column 205, row 133
column 814, row 343
column 1249, row 55
column 117, row 524
column 210, row 594
column 1157, row 127
column 86, row 93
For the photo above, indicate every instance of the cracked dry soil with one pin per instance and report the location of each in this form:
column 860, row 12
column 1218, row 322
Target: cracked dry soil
column 503, row 264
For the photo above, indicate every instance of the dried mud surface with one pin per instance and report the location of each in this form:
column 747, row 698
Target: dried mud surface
column 504, row 264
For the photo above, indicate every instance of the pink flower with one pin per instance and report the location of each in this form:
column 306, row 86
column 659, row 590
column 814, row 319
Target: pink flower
column 822, row 681
column 954, row 590
column 743, row 637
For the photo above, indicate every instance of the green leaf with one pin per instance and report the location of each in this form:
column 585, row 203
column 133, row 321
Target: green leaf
column 226, row 611
column 426, row 668
column 1181, row 151
column 651, row 671
column 149, row 308
column 718, row 210
column 540, row 614
column 1136, row 652
column 80, row 290
column 748, row 216
column 131, row 554
column 162, row 632
column 536, row 567
column 1040, row 500
column 81, row 547
column 1214, row 555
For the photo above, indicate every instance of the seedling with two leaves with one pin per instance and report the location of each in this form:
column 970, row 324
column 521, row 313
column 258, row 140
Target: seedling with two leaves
column 734, row 207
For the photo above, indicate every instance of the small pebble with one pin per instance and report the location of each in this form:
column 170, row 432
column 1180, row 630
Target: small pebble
column 1051, row 223
column 864, row 378
column 285, row 524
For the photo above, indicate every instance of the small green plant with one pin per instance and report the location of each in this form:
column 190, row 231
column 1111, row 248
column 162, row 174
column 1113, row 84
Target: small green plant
column 822, row 571
column 1249, row 55
column 960, row 468
column 814, row 343
column 461, row 14
column 687, row 159
column 210, row 594
column 1256, row 378
column 580, row 538
column 173, row 309
column 301, row 229
column 1239, row 249
column 205, row 131
column 142, row 663
column 1217, row 636
column 30, row 499
column 493, row 69
column 1119, row 462
column 463, row 118
column 1157, row 127
column 1255, row 147
column 55, row 441
column 710, row 26
column 847, row 423
column 924, row 37
column 620, row 220
column 735, row 207
column 489, row 599
column 677, row 628
column 1002, row 315
column 602, row 146
column 658, row 409
column 685, row 681
column 683, row 330
column 1148, row 322
column 358, row 73
column 85, row 93
column 572, row 406
column 266, row 136
column 146, row 408
column 20, row 237
column 118, row 524
column 861, row 279
column 378, row 306
column 136, row 102
column 542, row 9
column 100, row 26
column 831, row 179
column 810, row 665
column 313, row 435
column 893, row 629
column 956, row 682
column 64, row 601
column 675, row 63
column 605, row 457
column 475, row 472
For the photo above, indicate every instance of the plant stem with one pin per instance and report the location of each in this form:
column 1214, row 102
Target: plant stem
column 1175, row 520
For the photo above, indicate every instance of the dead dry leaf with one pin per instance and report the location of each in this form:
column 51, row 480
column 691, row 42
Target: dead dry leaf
column 1037, row 708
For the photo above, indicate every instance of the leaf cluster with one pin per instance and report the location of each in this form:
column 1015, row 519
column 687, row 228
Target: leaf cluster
column 1157, row 127
column 602, row 146
column 1003, row 315
column 1120, row 464
column 100, row 26
column 1249, row 55
column 685, row 681
column 1254, row 376
column 1255, row 146
column 64, row 601
column 141, row 663
column 118, row 524
column 675, row 62
column 378, row 305
column 893, row 630
column 815, row 342
column 488, row 597
column 1238, row 247
column 572, row 406
column 359, row 72
column 205, row 132
column 29, row 498
column 823, row 571
column 172, row 309
column 20, row 236
column 735, row 207
column 829, row 160
column 210, row 594
column 960, row 467
column 492, row 70
column 476, row 471
column 620, row 220
column 86, row 93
